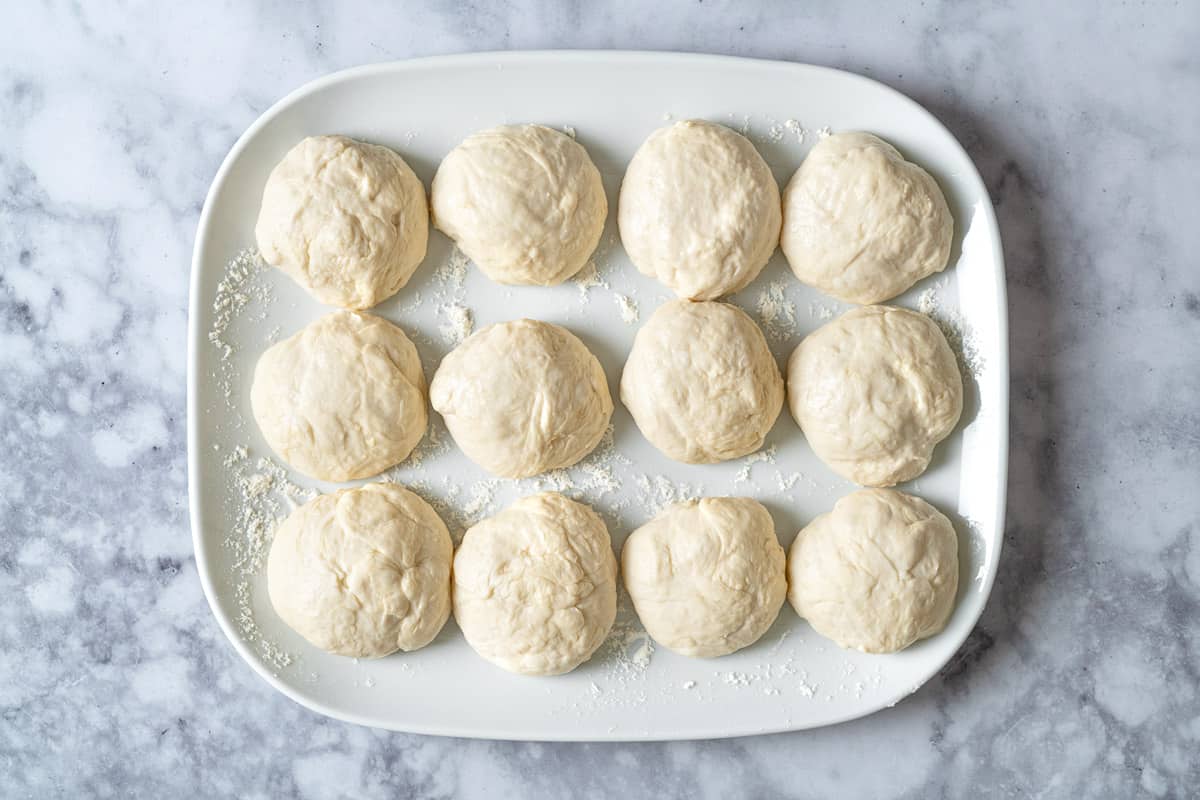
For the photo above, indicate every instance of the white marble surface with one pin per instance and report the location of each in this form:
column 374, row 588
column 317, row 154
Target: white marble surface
column 1080, row 681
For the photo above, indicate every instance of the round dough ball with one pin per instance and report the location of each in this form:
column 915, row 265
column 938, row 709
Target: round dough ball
column 699, row 209
column 706, row 576
column 861, row 223
column 874, row 391
column 877, row 573
column 535, row 586
column 362, row 572
column 523, row 397
column 701, row 383
column 346, row 220
column 524, row 202
column 342, row 399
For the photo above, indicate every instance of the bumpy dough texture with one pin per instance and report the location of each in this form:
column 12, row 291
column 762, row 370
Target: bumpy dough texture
column 701, row 383
column 874, row 391
column 523, row 397
column 861, row 223
column 362, row 572
column 706, row 576
column 342, row 399
column 346, row 220
column 524, row 202
column 535, row 586
column 699, row 209
column 877, row 573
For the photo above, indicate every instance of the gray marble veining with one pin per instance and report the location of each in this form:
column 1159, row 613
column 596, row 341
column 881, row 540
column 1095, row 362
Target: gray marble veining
column 1081, row 679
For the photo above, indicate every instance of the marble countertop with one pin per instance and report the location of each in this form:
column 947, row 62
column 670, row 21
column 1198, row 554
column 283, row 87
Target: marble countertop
column 1082, row 678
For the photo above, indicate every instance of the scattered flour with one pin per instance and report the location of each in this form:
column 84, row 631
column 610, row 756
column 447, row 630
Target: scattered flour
column 795, row 129
column 776, row 312
column 957, row 330
column 458, row 324
column 629, row 309
column 588, row 278
column 821, row 311
column 767, row 454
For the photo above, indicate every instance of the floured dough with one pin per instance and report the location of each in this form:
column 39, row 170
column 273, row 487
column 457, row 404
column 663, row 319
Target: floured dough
column 362, row 572
column 535, row 586
column 706, row 576
column 877, row 573
column 874, row 391
column 699, row 209
column 701, row 383
column 524, row 202
column 342, row 399
column 861, row 223
column 346, row 220
column 523, row 397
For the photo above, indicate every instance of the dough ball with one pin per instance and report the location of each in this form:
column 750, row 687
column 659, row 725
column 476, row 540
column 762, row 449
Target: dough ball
column 861, row 223
column 699, row 209
column 701, row 383
column 874, row 391
column 346, row 220
column 535, row 586
column 877, row 573
column 524, row 202
column 362, row 572
column 523, row 397
column 706, row 576
column 342, row 399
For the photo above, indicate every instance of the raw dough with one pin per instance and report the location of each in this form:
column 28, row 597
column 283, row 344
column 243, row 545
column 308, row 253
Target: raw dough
column 874, row 391
column 701, row 383
column 362, row 572
column 877, row 573
column 524, row 202
column 523, row 397
column 346, row 220
column 699, row 209
column 861, row 223
column 535, row 586
column 706, row 576
column 342, row 399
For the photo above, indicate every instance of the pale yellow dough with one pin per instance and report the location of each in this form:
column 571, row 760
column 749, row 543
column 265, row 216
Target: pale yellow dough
column 535, row 586
column 877, row 573
column 347, row 220
column 874, row 391
column 861, row 223
column 523, row 397
column 701, row 382
column 524, row 202
column 362, row 572
column 699, row 209
column 342, row 399
column 706, row 576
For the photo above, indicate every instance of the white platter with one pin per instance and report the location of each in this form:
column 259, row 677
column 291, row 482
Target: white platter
column 792, row 678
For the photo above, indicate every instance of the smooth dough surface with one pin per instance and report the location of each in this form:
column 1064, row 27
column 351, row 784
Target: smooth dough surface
column 874, row 391
column 706, row 576
column 362, row 572
column 701, row 382
column 347, row 220
column 699, row 209
column 535, row 586
column 524, row 202
column 342, row 399
column 877, row 573
column 523, row 397
column 861, row 223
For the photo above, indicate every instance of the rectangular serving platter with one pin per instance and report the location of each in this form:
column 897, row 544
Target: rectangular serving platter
column 610, row 101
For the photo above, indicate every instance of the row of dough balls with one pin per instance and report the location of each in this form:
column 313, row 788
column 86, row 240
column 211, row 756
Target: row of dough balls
column 368, row 571
column 874, row 391
column 699, row 210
